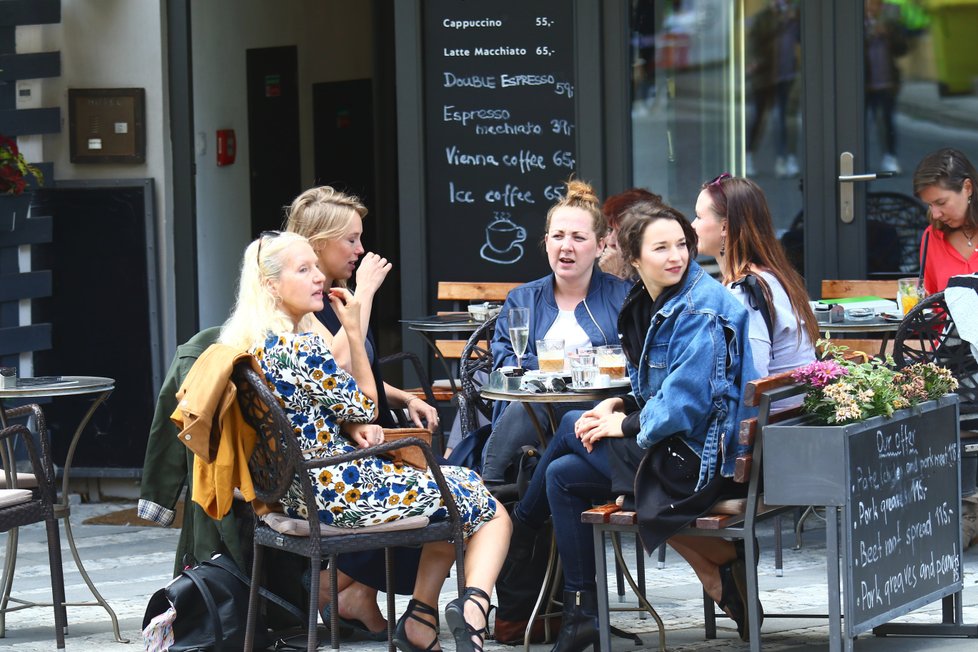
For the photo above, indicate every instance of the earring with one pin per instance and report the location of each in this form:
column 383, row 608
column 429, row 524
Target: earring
column 723, row 245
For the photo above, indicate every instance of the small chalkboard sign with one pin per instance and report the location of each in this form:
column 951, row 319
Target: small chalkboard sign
column 500, row 132
column 902, row 527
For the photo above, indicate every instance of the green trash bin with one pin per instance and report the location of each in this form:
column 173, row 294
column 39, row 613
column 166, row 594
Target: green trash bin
column 954, row 32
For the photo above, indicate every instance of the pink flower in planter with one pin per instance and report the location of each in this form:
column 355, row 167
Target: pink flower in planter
column 820, row 373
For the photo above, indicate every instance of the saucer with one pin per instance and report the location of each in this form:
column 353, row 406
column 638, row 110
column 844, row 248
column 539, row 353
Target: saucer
column 507, row 257
column 891, row 316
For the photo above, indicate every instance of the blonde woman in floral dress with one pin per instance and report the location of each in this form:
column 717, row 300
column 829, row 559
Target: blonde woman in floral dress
column 279, row 290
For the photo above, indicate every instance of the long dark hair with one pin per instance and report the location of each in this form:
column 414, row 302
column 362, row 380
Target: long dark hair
column 751, row 242
column 947, row 168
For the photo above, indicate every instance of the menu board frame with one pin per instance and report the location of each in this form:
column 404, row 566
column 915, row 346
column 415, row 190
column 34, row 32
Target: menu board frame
column 600, row 60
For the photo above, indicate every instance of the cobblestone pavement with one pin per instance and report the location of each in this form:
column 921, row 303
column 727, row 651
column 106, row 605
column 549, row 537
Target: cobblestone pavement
column 129, row 563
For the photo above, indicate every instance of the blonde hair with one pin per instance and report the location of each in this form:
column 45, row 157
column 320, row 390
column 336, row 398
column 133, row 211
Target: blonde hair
column 257, row 309
column 581, row 195
column 322, row 214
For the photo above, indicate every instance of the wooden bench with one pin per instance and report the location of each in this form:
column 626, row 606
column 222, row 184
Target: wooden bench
column 460, row 294
column 731, row 519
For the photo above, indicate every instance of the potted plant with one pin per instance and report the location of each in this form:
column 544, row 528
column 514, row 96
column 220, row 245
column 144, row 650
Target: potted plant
column 805, row 458
column 14, row 176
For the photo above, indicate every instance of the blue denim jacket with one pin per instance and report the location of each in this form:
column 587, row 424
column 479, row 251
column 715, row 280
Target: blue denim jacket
column 597, row 315
column 691, row 375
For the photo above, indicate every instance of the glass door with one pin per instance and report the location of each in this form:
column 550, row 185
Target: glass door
column 795, row 94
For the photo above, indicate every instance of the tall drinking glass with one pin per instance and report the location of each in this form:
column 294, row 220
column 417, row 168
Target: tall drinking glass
column 519, row 331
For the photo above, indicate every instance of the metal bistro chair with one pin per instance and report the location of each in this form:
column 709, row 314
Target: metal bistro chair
column 928, row 334
column 474, row 367
column 277, row 463
column 19, row 507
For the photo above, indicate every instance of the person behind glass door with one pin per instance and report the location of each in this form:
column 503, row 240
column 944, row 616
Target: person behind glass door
column 681, row 332
column 576, row 303
column 885, row 40
column 733, row 224
column 945, row 181
column 279, row 290
column 772, row 49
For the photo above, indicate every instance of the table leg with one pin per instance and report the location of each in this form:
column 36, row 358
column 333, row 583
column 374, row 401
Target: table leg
column 536, row 423
column 63, row 511
column 832, row 568
column 430, row 341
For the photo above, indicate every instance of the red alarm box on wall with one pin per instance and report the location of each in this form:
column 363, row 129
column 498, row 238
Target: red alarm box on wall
column 226, row 146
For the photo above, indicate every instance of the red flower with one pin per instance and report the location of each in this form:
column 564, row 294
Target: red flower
column 14, row 168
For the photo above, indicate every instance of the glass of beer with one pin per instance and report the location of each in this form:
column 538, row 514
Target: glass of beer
column 611, row 362
column 550, row 354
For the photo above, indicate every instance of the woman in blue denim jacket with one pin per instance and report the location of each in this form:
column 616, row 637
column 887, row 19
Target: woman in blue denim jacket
column 685, row 338
column 577, row 303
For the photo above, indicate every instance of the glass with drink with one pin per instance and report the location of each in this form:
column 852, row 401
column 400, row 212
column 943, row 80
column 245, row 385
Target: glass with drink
column 519, row 331
column 550, row 355
column 584, row 372
column 611, row 361
column 909, row 293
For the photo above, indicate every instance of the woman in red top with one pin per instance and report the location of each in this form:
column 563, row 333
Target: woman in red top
column 946, row 180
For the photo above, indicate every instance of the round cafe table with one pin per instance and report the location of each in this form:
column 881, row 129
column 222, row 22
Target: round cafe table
column 459, row 323
column 549, row 399
column 99, row 388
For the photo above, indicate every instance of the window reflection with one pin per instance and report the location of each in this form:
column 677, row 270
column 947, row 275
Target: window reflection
column 709, row 78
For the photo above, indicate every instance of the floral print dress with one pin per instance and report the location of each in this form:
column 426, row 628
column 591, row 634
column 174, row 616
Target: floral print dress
column 317, row 395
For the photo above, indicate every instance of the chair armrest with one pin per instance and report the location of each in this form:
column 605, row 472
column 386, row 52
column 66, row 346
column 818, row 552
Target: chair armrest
column 386, row 447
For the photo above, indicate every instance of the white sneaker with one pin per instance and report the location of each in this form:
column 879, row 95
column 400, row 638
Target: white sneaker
column 889, row 163
column 791, row 166
column 781, row 167
column 749, row 169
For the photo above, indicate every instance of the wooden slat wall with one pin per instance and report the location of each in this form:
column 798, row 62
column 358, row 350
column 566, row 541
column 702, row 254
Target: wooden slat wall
column 15, row 229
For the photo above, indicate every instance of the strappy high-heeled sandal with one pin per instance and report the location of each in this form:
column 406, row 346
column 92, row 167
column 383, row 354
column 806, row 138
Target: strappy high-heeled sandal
column 400, row 632
column 461, row 629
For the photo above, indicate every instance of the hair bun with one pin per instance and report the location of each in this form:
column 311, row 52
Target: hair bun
column 581, row 191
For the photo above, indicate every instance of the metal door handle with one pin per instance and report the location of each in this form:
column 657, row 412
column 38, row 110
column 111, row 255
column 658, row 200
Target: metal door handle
column 846, row 179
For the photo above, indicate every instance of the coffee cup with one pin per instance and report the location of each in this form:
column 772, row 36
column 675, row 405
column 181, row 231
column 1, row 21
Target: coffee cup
column 502, row 234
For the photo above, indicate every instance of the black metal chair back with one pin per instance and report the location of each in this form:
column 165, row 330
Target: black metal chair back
column 893, row 213
column 36, row 509
column 474, row 367
column 277, row 463
column 928, row 334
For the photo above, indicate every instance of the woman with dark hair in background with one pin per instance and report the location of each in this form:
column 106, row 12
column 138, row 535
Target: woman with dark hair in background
column 613, row 208
column 945, row 181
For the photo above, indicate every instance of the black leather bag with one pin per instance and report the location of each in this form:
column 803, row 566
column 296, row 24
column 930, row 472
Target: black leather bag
column 211, row 604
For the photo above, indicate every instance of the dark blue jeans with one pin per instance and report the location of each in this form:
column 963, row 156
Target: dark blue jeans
column 567, row 481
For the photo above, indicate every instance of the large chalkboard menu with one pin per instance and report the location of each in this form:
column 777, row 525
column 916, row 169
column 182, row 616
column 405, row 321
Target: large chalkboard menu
column 902, row 518
column 500, row 133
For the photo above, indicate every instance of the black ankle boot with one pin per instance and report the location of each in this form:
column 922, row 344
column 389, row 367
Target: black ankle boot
column 579, row 629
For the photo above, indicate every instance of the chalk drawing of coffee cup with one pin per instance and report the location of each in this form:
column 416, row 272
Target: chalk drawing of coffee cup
column 503, row 238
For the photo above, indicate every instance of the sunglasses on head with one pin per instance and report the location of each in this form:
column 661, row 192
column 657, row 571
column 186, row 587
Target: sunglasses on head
column 261, row 237
column 718, row 183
